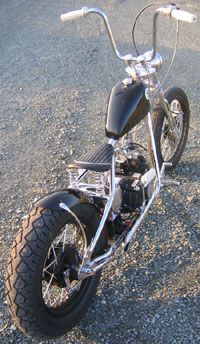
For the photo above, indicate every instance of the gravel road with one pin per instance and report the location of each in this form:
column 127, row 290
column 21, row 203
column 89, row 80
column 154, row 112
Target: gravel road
column 55, row 81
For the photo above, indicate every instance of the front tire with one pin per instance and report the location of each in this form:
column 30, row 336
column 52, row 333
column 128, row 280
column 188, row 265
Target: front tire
column 32, row 264
column 168, row 150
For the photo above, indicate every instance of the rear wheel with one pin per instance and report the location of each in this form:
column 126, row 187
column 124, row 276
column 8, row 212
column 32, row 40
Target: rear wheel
column 170, row 149
column 44, row 296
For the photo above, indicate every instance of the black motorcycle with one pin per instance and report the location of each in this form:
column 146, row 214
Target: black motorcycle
column 70, row 235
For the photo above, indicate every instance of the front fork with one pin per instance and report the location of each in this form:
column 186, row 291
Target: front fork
column 171, row 120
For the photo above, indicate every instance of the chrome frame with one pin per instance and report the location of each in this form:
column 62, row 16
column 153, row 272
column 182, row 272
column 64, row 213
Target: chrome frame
column 90, row 266
column 91, row 247
column 142, row 68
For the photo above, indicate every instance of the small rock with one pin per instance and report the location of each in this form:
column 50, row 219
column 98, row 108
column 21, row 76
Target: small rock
column 103, row 302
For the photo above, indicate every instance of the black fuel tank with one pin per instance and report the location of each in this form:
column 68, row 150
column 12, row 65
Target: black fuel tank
column 127, row 106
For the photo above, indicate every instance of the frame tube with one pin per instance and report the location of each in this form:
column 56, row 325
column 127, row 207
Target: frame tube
column 106, row 211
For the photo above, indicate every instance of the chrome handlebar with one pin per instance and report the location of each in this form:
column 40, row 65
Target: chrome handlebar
column 70, row 16
column 170, row 10
column 84, row 12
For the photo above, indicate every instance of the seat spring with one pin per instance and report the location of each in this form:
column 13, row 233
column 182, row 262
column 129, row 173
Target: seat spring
column 73, row 175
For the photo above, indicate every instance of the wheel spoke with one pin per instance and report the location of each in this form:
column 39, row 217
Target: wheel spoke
column 53, row 249
column 48, row 285
column 47, row 267
column 68, row 243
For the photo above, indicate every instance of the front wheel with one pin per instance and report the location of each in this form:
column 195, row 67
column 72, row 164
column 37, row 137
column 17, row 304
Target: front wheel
column 170, row 149
column 43, row 301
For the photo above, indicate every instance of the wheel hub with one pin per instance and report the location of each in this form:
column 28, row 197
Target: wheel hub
column 67, row 260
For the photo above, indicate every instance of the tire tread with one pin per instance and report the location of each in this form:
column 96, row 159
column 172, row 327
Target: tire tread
column 36, row 233
column 18, row 281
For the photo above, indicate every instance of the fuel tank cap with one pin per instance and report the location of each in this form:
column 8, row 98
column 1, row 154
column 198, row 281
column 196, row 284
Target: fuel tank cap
column 127, row 81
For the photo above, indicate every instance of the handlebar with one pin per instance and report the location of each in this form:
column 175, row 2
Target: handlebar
column 70, row 16
column 84, row 12
column 183, row 16
column 170, row 10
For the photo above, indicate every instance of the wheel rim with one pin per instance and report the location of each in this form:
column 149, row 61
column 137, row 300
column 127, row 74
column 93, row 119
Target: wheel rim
column 59, row 284
column 168, row 142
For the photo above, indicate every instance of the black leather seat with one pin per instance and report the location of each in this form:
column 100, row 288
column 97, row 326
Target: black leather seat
column 99, row 159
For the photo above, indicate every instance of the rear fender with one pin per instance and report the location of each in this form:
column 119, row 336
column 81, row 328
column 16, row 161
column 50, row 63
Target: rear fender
column 69, row 197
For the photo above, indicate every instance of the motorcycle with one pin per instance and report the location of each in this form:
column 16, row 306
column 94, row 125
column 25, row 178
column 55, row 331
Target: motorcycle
column 71, row 235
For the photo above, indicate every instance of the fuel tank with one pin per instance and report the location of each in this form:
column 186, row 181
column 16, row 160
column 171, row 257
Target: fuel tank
column 127, row 106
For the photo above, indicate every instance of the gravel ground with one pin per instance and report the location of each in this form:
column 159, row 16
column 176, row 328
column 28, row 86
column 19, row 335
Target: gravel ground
column 55, row 80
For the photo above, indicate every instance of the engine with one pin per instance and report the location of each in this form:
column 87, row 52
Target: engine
column 132, row 196
column 131, row 191
column 135, row 164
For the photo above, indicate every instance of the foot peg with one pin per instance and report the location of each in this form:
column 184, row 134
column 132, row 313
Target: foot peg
column 170, row 182
column 162, row 176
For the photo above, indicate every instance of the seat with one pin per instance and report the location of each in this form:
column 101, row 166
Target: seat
column 98, row 159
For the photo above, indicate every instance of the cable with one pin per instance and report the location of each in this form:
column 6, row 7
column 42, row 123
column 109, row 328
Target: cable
column 135, row 21
column 176, row 42
column 174, row 53
column 139, row 145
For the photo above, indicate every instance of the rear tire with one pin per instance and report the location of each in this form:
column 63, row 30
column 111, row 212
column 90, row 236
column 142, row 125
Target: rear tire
column 162, row 134
column 25, row 273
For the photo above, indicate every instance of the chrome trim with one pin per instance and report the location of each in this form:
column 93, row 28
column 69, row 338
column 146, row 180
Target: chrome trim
column 170, row 118
column 141, row 217
column 166, row 11
column 92, row 266
column 65, row 207
column 126, row 58
column 105, row 213
column 112, row 142
column 154, row 147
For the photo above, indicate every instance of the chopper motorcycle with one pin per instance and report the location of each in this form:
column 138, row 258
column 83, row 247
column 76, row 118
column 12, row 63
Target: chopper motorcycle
column 70, row 235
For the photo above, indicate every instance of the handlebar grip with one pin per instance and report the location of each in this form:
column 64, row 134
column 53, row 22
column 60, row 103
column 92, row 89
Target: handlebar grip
column 183, row 16
column 69, row 16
